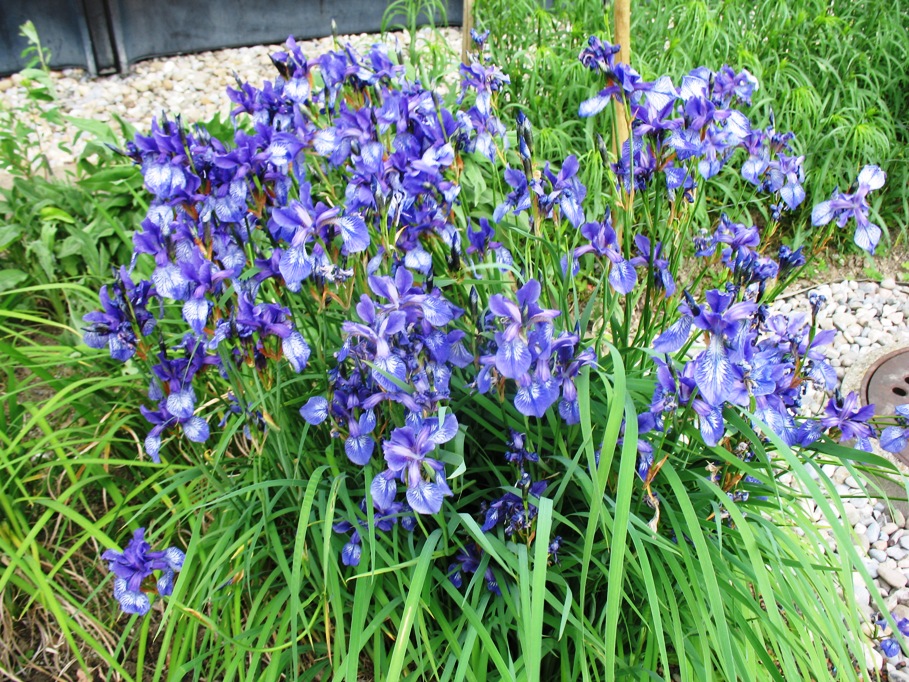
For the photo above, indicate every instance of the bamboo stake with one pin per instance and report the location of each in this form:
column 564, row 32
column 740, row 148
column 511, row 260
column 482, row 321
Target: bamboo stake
column 466, row 25
column 623, row 40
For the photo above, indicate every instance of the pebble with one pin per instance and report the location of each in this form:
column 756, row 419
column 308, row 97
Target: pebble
column 892, row 576
column 878, row 555
column 897, row 553
column 873, row 532
column 852, row 514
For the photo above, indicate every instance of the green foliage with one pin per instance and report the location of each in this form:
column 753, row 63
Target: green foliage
column 61, row 230
column 65, row 451
column 834, row 72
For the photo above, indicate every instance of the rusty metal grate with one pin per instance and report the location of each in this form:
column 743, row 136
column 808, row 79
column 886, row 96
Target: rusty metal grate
column 886, row 385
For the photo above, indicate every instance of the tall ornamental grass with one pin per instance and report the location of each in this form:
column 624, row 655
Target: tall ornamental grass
column 420, row 402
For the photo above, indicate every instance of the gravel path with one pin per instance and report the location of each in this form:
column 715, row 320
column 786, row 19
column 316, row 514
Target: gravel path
column 868, row 316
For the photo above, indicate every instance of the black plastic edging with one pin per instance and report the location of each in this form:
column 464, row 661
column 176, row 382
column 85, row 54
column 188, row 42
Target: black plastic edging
column 102, row 36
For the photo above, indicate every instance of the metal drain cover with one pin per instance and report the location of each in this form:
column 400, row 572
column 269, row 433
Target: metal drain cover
column 886, row 385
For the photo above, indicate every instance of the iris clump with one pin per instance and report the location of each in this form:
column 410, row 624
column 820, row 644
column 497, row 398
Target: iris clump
column 405, row 285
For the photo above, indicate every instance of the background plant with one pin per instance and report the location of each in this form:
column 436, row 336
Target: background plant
column 61, row 229
column 832, row 72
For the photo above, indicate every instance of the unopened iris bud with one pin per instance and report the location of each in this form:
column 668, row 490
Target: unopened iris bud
column 695, row 308
column 525, row 483
column 601, row 148
column 525, row 136
column 817, row 302
column 454, row 260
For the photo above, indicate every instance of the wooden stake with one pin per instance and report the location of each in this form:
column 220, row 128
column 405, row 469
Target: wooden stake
column 466, row 25
column 623, row 40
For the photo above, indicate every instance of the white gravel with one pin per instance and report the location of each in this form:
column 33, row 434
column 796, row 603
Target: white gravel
column 870, row 318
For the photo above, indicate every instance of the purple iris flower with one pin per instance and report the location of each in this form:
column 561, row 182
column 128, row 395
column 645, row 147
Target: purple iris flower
column 841, row 207
column 566, row 191
column 125, row 309
column 518, row 199
column 599, row 56
column 484, row 80
column 658, row 266
column 786, row 175
column 819, row 370
column 637, row 165
column 384, row 519
column 360, row 444
column 479, row 38
column 844, row 415
column 513, row 356
column 468, row 561
column 896, row 438
column 650, row 117
column 511, row 510
column 517, row 452
column 390, row 369
column 136, row 563
column 713, row 367
column 568, row 368
column 890, row 647
column 739, row 239
column 728, row 85
column 603, row 242
column 622, row 82
column 406, row 453
column 714, row 372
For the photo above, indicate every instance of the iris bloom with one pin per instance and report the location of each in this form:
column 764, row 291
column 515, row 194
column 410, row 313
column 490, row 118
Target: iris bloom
column 136, row 563
column 841, row 207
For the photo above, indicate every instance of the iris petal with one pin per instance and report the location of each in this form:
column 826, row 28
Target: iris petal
column 425, row 498
column 674, row 337
column 315, row 411
column 713, row 372
column 359, row 449
column 622, row 277
column 513, row 358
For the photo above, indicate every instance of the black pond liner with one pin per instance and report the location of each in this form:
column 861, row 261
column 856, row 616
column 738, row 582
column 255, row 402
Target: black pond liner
column 886, row 385
column 106, row 36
